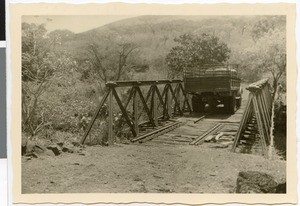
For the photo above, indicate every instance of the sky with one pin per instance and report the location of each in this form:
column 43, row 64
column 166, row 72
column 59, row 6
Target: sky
column 75, row 24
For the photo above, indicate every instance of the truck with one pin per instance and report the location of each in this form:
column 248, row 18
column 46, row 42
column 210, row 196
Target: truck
column 213, row 85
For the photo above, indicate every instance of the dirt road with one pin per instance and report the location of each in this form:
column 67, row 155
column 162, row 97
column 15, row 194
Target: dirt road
column 141, row 168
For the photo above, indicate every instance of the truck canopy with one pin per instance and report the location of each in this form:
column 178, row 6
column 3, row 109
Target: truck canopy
column 212, row 79
column 212, row 71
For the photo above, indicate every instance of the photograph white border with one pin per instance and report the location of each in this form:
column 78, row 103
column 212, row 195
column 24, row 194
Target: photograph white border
column 16, row 12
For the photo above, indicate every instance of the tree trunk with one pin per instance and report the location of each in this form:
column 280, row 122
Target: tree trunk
column 271, row 147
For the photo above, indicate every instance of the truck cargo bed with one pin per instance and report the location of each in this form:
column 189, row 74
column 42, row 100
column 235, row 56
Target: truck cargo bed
column 211, row 84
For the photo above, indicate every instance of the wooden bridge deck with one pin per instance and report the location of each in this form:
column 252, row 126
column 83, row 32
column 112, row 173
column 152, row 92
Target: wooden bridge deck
column 193, row 129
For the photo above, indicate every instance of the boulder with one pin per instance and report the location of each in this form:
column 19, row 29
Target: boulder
column 24, row 146
column 67, row 149
column 55, row 149
column 281, row 188
column 31, row 148
column 32, row 154
column 76, row 144
column 255, row 182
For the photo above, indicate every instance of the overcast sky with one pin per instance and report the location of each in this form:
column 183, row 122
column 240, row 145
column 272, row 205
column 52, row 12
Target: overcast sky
column 75, row 24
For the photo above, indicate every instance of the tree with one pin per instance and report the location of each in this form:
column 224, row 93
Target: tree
column 112, row 63
column 270, row 54
column 271, row 57
column 265, row 25
column 109, row 57
column 39, row 64
column 194, row 51
column 260, row 28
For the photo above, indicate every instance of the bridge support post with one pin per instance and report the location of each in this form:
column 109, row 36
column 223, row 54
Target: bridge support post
column 110, row 119
column 154, row 107
column 169, row 101
column 258, row 112
column 136, row 112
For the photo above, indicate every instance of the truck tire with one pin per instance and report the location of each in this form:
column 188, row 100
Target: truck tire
column 197, row 104
column 238, row 102
column 232, row 104
column 229, row 104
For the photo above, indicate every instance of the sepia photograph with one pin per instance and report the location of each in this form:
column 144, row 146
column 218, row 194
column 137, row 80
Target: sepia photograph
column 153, row 104
column 135, row 103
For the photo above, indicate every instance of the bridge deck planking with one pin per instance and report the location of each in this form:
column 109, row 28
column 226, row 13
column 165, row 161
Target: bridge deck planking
column 188, row 132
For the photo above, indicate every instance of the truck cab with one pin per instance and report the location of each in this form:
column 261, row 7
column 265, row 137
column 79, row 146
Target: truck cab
column 214, row 85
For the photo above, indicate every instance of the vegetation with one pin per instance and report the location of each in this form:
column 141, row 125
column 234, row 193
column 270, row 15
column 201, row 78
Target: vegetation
column 63, row 73
column 196, row 50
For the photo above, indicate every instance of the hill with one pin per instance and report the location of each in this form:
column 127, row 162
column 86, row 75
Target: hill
column 154, row 35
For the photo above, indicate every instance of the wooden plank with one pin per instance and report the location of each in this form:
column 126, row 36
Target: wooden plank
column 136, row 112
column 201, row 138
column 110, row 119
column 147, row 98
column 199, row 119
column 87, row 131
column 140, row 83
column 129, row 98
column 145, row 106
column 243, row 123
column 185, row 98
column 154, row 106
column 177, row 105
column 160, row 98
column 155, row 132
column 124, row 112
column 260, row 127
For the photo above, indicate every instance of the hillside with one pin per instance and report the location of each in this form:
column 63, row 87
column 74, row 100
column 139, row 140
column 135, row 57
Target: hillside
column 155, row 35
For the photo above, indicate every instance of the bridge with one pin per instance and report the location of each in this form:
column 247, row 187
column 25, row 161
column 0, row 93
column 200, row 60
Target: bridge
column 159, row 112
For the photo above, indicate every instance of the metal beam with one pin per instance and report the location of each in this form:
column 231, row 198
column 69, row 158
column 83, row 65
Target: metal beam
column 140, row 83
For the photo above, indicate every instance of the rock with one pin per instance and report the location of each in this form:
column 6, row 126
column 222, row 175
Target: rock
column 255, row 182
column 49, row 153
column 76, row 144
column 30, row 148
column 125, row 141
column 281, row 188
column 227, row 143
column 218, row 136
column 60, row 144
column 66, row 149
column 24, row 146
column 209, row 138
column 28, row 158
column 220, row 146
column 32, row 154
column 55, row 149
column 39, row 149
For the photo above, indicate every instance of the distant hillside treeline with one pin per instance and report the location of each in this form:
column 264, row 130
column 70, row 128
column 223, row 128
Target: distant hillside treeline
column 155, row 36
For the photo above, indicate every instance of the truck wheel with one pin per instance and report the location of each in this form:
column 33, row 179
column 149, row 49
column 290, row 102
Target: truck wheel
column 226, row 101
column 232, row 104
column 197, row 104
column 238, row 103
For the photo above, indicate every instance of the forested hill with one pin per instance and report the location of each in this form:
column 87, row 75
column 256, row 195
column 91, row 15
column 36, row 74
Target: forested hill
column 154, row 36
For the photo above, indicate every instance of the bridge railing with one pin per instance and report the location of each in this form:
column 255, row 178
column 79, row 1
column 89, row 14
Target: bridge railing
column 167, row 96
column 258, row 113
